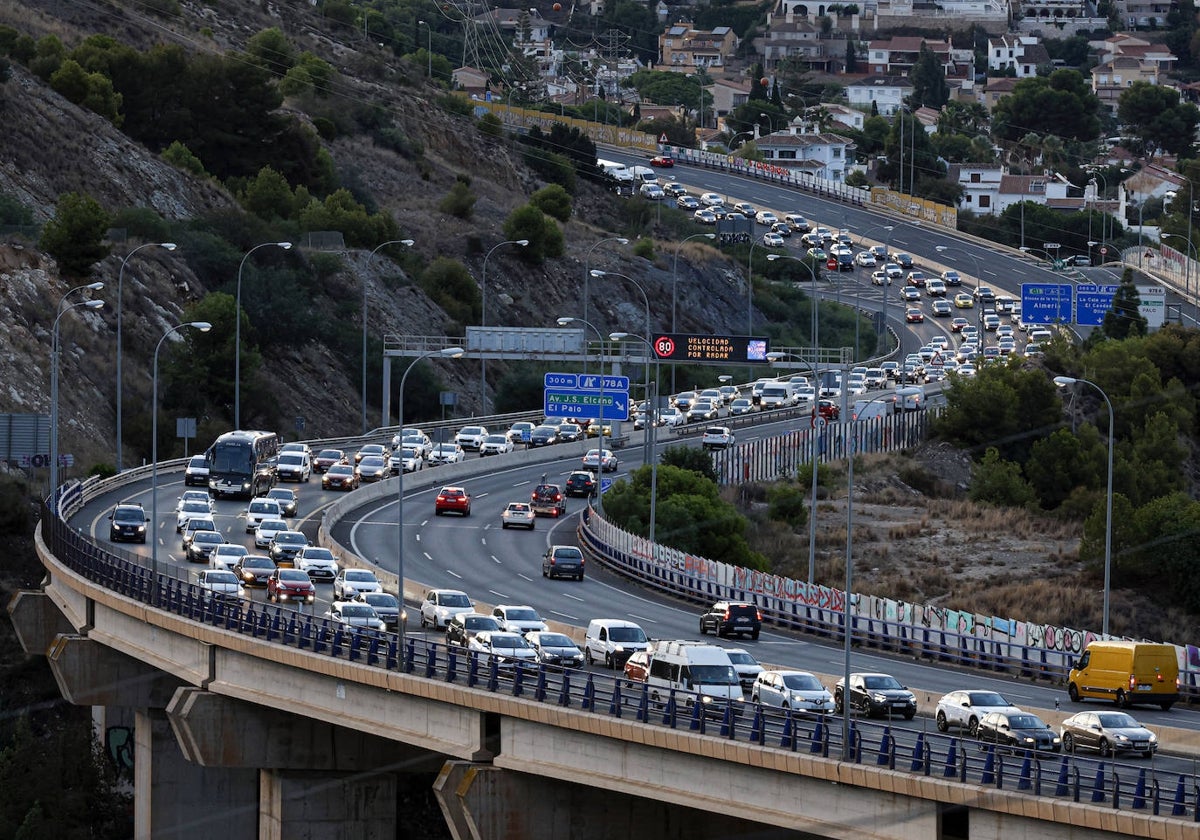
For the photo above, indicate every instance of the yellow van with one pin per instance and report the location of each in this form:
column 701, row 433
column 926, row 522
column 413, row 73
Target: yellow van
column 1128, row 673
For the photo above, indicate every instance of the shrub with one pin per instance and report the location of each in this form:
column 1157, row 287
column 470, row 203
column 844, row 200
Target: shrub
column 13, row 212
column 75, row 235
column 785, row 503
column 553, row 167
column 460, row 201
column 553, row 201
column 644, row 248
column 545, row 237
column 490, row 125
column 450, row 286
column 1000, row 482
column 181, row 157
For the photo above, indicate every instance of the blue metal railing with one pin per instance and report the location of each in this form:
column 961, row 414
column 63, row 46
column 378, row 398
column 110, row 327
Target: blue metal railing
column 880, row 744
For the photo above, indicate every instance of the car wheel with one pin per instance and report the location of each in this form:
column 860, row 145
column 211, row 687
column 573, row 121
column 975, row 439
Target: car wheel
column 587, row 655
column 973, row 727
column 608, row 661
column 1122, row 699
column 1068, row 742
column 503, row 526
column 580, row 578
column 545, row 572
column 754, row 635
column 1073, row 693
column 437, row 512
column 1104, row 748
column 942, row 724
column 909, row 715
column 703, row 629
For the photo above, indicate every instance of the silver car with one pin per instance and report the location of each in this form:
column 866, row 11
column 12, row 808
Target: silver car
column 965, row 709
column 796, row 690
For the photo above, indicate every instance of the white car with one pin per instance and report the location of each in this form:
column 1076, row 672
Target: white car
column 261, row 508
column 518, row 515
column 266, row 531
column 440, row 605
column 705, row 216
column 471, row 437
column 317, row 562
column 880, row 278
column 496, row 445
column 875, row 378
column 797, row 690
column 355, row 615
column 518, row 619
column 195, row 496
column 415, row 439
column 711, row 199
column 772, row 240
column 717, row 437
column 293, row 466
column 219, row 583
column 446, row 453
column 408, row 459
column 226, row 556
column 856, row 385
column 765, row 217
column 965, row 709
column 865, row 259
column 348, row 583
column 508, row 648
column 652, row 192
column 607, row 462
column 672, row 417
column 187, row 510
column 747, row 667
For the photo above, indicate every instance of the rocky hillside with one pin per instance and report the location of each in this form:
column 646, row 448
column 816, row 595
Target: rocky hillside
column 50, row 147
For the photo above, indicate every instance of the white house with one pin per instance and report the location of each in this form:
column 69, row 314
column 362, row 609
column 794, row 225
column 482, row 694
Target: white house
column 821, row 155
column 1022, row 53
column 887, row 93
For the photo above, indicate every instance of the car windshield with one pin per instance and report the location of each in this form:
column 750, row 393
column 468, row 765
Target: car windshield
column 293, row 575
column 555, row 640
column 372, row 462
column 332, row 454
column 341, row 469
column 196, row 461
column 741, row 658
column 264, row 507
column 291, row 538
column 626, row 634
column 714, row 675
column 496, row 439
column 357, row 611
column 522, row 615
column 519, row 507
column 882, row 681
column 209, row 537
column 1025, row 722
column 409, row 453
column 281, row 495
column 471, row 430
column 318, row 554
column 381, row 599
column 188, row 507
column 1116, row 720
column 360, row 576
column 135, row 515
column 454, row 600
column 802, row 682
column 296, row 460
column 568, row 554
column 221, row 577
column 509, row 640
column 272, row 525
column 479, row 622
column 257, row 563
column 235, row 550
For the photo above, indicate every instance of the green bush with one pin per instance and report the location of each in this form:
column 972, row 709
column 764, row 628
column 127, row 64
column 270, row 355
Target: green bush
column 490, row 125
column 15, row 516
column 553, row 167
column 460, row 201
column 13, row 212
column 786, row 503
column 181, row 157
column 75, row 235
column 544, row 235
column 450, row 286
column 553, row 201
column 644, row 248
column 395, row 140
column 1000, row 482
column 143, row 223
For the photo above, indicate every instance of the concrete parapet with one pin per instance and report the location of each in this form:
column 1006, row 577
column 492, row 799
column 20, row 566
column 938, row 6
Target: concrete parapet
column 37, row 620
column 91, row 674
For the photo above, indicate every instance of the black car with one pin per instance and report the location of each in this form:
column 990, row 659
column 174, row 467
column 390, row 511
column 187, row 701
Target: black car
column 582, row 483
column 462, row 626
column 1022, row 731
column 568, row 432
column 543, row 436
column 877, row 695
column 563, row 561
column 905, row 261
column 286, row 498
column 286, row 546
column 128, row 524
column 726, row 618
column 254, row 570
column 203, row 544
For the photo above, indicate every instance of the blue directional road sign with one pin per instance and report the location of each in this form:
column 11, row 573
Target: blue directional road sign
column 560, row 380
column 605, row 483
column 1046, row 303
column 611, row 405
column 1092, row 302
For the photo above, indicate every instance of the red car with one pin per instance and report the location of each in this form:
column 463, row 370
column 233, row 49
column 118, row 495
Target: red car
column 340, row 477
column 326, row 458
column 663, row 161
column 828, row 409
column 452, row 500
column 292, row 586
column 914, row 316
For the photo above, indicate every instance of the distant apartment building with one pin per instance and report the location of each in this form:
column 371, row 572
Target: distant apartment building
column 883, row 94
column 898, row 55
column 819, row 155
column 684, row 48
column 1023, row 54
column 1114, row 76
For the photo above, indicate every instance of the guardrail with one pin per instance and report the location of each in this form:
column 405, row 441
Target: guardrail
column 928, row 754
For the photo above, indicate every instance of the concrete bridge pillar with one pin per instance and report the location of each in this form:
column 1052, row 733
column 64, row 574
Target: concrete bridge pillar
column 484, row 802
column 37, row 620
column 175, row 799
column 305, row 805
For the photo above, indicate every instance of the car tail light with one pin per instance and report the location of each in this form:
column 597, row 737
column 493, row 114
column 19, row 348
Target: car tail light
column 727, row 615
column 758, row 614
column 1132, row 681
column 557, row 497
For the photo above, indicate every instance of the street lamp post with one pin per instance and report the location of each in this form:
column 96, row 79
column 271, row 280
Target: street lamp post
column 562, row 322
column 587, row 263
column 651, row 428
column 54, row 360
column 815, row 434
column 483, row 317
column 428, row 49
column 595, row 272
column 203, row 326
column 407, row 243
column 170, row 246
column 447, row 353
column 1063, row 382
column 237, row 333
column 674, row 279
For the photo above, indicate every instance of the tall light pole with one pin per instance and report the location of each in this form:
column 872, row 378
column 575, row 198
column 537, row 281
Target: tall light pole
column 407, row 243
column 203, row 326
column 170, row 246
column 428, row 49
column 651, row 428
column 483, row 317
column 595, row 272
column 1063, row 382
column 54, row 360
column 562, row 322
column 674, row 279
column 587, row 263
column 237, row 333
column 445, row 353
column 815, row 433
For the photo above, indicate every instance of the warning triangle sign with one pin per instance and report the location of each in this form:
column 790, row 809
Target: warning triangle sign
column 662, row 139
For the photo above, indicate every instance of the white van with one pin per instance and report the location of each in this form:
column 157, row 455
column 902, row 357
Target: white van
column 702, row 671
column 910, row 398
column 870, row 409
column 800, row 391
column 612, row 641
column 643, row 175
column 775, row 395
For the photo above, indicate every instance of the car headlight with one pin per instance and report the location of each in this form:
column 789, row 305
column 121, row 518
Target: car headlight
column 1056, row 739
column 879, row 698
column 1122, row 738
column 704, row 698
column 1153, row 738
column 1028, row 740
column 141, row 529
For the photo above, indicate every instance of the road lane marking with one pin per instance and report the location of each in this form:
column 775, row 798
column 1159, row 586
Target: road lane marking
column 452, row 572
column 572, row 597
column 498, row 594
column 567, row 616
column 524, row 577
column 641, row 618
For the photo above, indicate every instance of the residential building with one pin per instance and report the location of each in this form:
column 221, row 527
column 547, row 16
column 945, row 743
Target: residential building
column 727, row 94
column 885, row 93
column 1114, row 76
column 1148, row 13
column 820, row 155
column 526, row 25
column 843, row 118
column 1022, row 54
column 996, row 89
column 980, row 185
column 1130, row 46
column 683, row 48
column 796, row 39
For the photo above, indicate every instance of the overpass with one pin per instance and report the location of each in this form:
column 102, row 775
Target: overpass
column 254, row 718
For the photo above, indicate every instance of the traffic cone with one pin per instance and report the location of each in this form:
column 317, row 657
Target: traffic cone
column 1139, row 790
column 756, row 726
column 787, row 740
column 589, row 693
column 1180, row 806
column 1064, row 774
column 614, row 704
column 818, row 737
column 564, row 692
column 884, row 745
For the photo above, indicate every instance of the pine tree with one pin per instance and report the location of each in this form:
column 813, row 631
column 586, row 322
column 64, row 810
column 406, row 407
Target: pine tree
column 1124, row 320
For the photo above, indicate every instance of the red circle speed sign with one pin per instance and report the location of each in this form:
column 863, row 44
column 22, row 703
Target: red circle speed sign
column 664, row 346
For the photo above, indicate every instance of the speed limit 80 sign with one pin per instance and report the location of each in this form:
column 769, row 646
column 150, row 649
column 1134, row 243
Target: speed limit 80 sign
column 664, row 346
column 679, row 347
